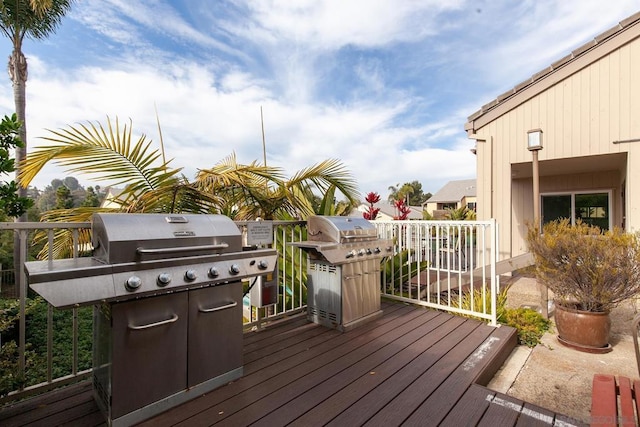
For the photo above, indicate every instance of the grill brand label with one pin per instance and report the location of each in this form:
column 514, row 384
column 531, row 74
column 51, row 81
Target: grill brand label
column 175, row 219
column 184, row 233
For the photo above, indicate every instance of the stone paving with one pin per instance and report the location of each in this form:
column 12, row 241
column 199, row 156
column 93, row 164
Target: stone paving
column 556, row 377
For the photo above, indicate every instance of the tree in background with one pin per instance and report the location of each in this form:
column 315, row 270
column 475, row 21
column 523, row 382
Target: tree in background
column 63, row 198
column 410, row 192
column 11, row 204
column 35, row 19
column 91, row 199
column 460, row 214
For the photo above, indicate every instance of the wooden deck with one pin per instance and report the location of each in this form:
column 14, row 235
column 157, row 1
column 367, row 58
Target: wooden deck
column 411, row 366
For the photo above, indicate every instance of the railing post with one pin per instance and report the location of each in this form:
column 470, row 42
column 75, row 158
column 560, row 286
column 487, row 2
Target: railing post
column 494, row 279
column 23, row 305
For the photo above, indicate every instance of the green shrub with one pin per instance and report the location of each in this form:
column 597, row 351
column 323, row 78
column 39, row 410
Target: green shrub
column 397, row 270
column 529, row 323
column 585, row 267
column 480, row 301
column 36, row 343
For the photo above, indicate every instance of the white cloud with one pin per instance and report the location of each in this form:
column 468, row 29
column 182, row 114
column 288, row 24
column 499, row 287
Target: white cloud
column 330, row 25
column 384, row 129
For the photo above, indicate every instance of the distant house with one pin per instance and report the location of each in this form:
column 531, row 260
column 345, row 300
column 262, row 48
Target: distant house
column 387, row 211
column 112, row 200
column 454, row 195
column 579, row 118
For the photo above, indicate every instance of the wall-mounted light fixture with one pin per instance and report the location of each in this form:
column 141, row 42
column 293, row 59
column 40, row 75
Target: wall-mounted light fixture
column 534, row 140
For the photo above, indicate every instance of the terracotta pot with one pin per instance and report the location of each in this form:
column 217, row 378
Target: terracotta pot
column 583, row 330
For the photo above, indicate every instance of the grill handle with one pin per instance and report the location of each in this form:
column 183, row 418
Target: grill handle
column 222, row 307
column 153, row 325
column 180, row 249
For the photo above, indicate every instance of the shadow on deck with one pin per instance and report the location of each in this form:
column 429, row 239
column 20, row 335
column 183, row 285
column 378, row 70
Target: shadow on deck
column 411, row 366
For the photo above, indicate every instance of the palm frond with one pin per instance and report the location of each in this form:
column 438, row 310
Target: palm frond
column 228, row 172
column 178, row 197
column 63, row 238
column 104, row 154
column 325, row 174
column 35, row 19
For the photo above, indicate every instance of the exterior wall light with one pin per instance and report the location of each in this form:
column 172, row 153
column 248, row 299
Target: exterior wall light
column 534, row 140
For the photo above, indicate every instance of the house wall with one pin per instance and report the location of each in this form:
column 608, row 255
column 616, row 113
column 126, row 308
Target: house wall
column 580, row 114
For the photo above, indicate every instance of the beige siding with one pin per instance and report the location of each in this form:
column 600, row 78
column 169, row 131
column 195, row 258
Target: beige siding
column 580, row 116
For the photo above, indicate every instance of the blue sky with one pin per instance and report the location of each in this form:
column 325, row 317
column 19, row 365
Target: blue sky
column 383, row 85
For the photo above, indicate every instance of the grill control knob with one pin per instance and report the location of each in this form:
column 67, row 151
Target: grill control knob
column 369, row 251
column 213, row 272
column 263, row 265
column 163, row 279
column 234, row 269
column 361, row 252
column 133, row 283
column 190, row 275
column 376, row 251
column 351, row 254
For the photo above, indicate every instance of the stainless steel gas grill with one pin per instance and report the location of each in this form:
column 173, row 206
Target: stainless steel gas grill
column 343, row 280
column 167, row 298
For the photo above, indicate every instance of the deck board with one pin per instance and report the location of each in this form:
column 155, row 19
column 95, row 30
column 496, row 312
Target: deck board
column 409, row 366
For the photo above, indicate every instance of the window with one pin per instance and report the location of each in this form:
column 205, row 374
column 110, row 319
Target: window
column 471, row 206
column 447, row 205
column 592, row 208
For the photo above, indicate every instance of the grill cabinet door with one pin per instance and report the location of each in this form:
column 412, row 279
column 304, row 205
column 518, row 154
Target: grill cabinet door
column 149, row 362
column 360, row 289
column 215, row 331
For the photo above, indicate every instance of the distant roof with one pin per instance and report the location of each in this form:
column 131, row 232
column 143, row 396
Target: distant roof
column 573, row 58
column 454, row 191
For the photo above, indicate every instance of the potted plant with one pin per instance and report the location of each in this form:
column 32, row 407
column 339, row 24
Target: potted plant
column 590, row 272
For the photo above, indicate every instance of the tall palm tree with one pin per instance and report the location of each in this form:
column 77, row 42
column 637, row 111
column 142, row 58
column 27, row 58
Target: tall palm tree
column 35, row 19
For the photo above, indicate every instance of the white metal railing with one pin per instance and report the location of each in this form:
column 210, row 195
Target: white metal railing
column 446, row 265
column 292, row 274
column 437, row 264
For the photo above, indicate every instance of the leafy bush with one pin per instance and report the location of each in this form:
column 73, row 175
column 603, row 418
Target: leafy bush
column 584, row 267
column 481, row 299
column 36, row 343
column 397, row 270
column 529, row 323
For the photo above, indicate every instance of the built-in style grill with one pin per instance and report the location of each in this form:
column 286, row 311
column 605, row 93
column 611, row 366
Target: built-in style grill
column 167, row 298
column 343, row 280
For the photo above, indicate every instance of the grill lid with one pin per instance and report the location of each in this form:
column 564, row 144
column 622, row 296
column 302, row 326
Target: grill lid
column 140, row 255
column 341, row 239
column 118, row 238
column 340, row 229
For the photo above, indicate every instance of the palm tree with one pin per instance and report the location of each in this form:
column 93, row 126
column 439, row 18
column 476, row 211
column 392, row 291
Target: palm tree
column 108, row 153
column 252, row 191
column 460, row 214
column 35, row 19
